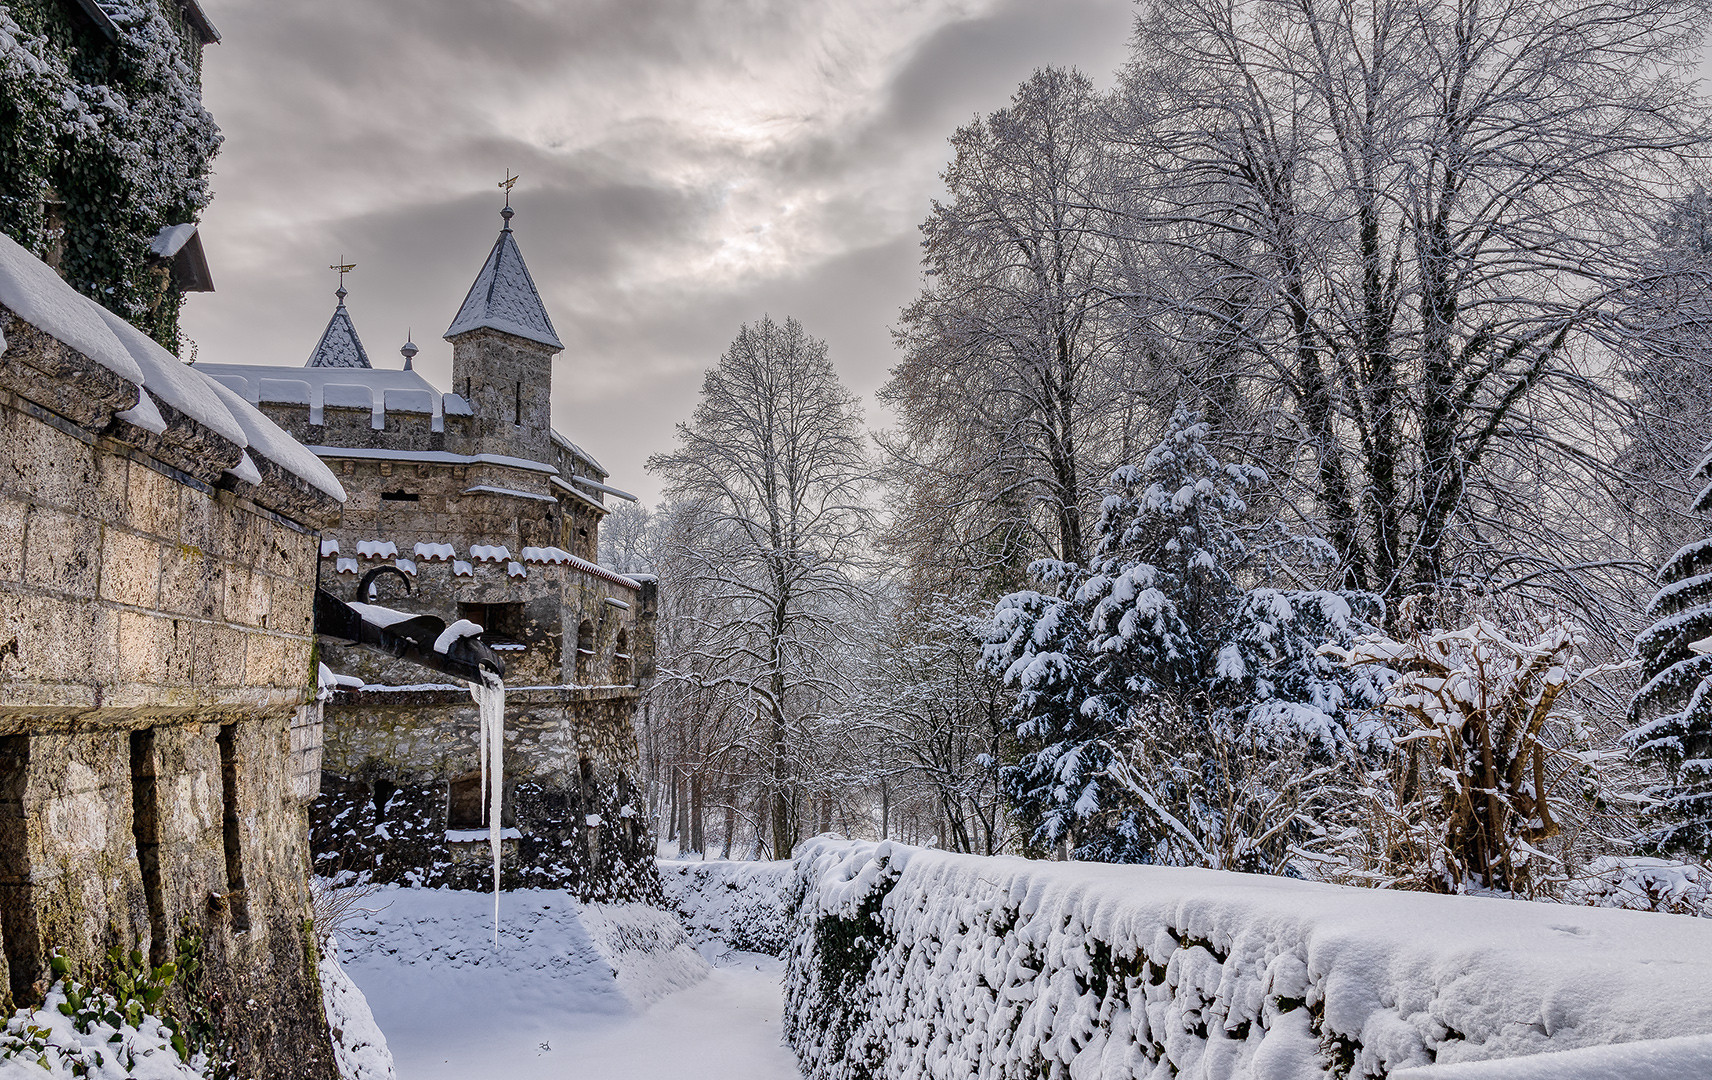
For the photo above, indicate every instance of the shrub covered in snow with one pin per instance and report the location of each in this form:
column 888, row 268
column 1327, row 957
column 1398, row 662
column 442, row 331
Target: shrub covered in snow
column 908, row 964
column 730, row 905
column 83, row 1031
column 1642, row 883
column 1488, row 760
column 1169, row 709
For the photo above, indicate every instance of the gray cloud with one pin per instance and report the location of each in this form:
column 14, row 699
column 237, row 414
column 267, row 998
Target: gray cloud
column 688, row 165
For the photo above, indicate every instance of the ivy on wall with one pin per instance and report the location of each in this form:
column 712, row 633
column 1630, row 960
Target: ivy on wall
column 102, row 144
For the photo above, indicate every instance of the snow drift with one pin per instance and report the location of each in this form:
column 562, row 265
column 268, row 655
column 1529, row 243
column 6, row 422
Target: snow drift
column 359, row 1047
column 908, row 963
column 728, row 905
column 423, row 956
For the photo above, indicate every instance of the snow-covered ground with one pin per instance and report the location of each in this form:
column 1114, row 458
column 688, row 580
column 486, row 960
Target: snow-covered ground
column 547, row 1003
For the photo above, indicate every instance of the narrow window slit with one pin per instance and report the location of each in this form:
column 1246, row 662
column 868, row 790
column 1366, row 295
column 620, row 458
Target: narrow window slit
column 19, row 939
column 145, row 827
column 237, row 899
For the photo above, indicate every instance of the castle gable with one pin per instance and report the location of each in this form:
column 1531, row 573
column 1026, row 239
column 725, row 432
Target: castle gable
column 504, row 298
column 339, row 346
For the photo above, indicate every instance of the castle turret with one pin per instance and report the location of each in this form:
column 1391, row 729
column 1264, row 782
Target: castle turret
column 503, row 346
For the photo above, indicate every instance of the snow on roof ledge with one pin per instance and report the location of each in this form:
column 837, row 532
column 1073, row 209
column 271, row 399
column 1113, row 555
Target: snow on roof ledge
column 38, row 296
column 170, row 240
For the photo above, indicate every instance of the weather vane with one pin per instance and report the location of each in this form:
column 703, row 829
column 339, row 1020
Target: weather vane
column 507, row 184
column 344, row 268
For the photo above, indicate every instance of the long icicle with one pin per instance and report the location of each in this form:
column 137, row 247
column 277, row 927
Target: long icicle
column 496, row 725
column 490, row 704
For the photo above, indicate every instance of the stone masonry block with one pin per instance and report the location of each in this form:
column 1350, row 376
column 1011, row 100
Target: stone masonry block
column 292, row 606
column 45, row 639
column 62, row 552
column 190, row 582
column 196, row 521
column 219, row 655
column 143, row 642
column 130, row 568
column 153, row 502
column 12, row 513
column 238, row 606
column 267, row 659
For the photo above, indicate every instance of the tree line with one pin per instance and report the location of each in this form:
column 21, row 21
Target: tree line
column 1288, row 441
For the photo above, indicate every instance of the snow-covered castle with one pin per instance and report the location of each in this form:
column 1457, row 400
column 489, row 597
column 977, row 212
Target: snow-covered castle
column 488, row 515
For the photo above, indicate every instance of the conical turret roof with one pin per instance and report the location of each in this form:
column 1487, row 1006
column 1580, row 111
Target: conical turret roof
column 339, row 345
column 504, row 298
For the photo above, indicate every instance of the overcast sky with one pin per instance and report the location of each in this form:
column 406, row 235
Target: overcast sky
column 687, row 165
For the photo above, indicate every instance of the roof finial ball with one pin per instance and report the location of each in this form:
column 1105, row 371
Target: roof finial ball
column 409, row 350
column 509, row 182
column 343, row 268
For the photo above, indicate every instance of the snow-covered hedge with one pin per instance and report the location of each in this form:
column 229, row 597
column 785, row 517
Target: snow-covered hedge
column 908, row 963
column 737, row 905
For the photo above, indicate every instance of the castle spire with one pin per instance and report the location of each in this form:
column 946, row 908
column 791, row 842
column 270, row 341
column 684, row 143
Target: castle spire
column 339, row 345
column 503, row 296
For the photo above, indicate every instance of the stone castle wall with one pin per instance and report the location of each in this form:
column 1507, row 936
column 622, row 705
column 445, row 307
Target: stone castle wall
column 155, row 648
column 556, row 599
column 508, row 383
column 570, row 763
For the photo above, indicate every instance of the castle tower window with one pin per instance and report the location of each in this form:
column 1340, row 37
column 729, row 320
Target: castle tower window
column 621, row 660
column 400, row 496
column 517, row 404
column 585, row 649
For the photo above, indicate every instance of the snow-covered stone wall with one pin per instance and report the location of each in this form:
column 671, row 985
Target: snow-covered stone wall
column 908, row 963
column 158, row 550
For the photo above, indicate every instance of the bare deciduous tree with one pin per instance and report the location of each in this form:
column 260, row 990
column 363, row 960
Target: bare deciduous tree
column 775, row 462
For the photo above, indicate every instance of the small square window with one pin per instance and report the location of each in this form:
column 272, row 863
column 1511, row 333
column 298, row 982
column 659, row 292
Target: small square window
column 502, row 624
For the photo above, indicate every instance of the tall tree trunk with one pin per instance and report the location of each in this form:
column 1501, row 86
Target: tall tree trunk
column 697, row 844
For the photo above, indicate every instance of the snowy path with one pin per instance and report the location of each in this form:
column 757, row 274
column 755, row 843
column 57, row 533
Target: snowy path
column 545, row 1004
column 726, row 1028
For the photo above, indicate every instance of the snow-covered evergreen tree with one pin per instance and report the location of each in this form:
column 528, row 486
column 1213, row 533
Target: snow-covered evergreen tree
column 1170, row 709
column 1672, row 711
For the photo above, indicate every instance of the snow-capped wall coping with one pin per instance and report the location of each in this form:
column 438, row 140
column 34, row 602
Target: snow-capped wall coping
column 514, row 493
column 559, row 556
column 432, row 552
column 34, row 293
column 913, row 963
column 490, row 553
column 1652, row 1059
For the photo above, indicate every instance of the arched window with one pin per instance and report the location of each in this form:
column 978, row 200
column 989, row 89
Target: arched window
column 585, row 650
column 621, row 660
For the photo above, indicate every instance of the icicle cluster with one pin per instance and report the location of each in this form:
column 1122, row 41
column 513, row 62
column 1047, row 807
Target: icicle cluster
column 490, row 702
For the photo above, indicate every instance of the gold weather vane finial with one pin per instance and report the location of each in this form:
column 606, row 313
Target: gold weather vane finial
column 507, row 184
column 344, row 268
